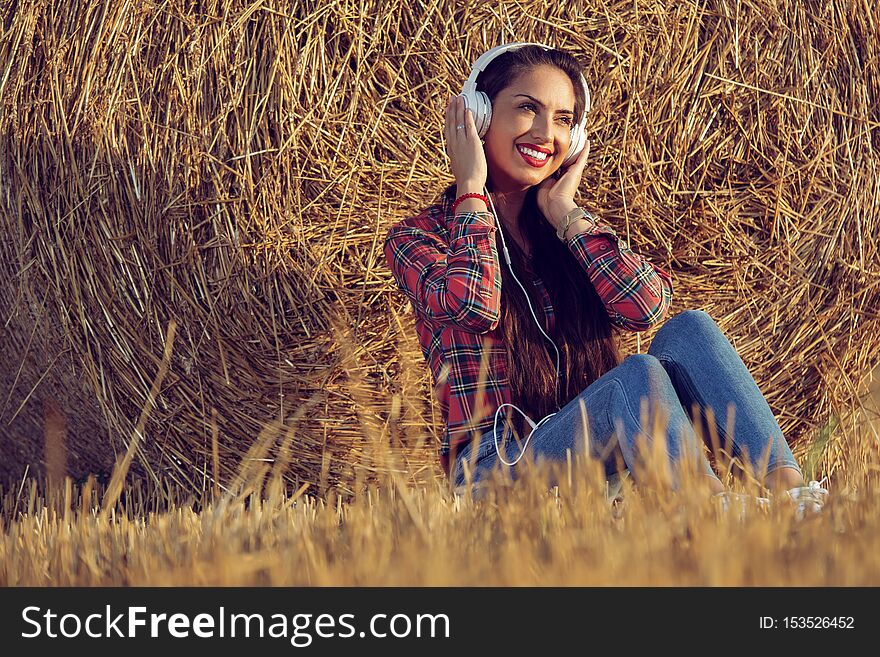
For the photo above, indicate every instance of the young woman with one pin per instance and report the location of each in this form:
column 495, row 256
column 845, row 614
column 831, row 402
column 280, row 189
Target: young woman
column 497, row 333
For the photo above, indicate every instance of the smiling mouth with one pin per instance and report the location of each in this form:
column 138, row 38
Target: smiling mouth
column 532, row 157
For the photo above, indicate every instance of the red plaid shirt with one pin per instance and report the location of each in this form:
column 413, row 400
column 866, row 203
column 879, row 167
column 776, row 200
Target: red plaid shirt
column 448, row 267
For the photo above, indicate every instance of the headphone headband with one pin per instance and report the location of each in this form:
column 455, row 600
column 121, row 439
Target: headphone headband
column 481, row 107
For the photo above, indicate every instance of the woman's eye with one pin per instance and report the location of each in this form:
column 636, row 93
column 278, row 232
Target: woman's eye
column 531, row 107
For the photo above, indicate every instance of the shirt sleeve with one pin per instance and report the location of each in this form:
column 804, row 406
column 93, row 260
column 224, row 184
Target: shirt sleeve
column 636, row 293
column 449, row 284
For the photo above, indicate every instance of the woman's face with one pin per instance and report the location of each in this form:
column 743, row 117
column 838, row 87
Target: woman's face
column 534, row 112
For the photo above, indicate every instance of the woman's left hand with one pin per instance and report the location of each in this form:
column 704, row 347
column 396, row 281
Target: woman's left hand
column 556, row 196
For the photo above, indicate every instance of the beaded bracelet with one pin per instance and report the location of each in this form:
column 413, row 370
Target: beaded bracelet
column 467, row 196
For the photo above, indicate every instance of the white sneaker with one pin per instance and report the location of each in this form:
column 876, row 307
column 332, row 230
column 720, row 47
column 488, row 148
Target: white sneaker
column 809, row 499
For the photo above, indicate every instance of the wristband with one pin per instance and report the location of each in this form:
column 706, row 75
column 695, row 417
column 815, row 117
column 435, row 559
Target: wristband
column 461, row 198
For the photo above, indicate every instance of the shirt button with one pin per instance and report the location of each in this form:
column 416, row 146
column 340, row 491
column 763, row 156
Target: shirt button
column 604, row 247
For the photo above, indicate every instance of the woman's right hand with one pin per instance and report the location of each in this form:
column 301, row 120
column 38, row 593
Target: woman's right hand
column 464, row 147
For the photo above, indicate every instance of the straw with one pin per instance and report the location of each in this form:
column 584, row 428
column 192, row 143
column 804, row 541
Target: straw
column 235, row 172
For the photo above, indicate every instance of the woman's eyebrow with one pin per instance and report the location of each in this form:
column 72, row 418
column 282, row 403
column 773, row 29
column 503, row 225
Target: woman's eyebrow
column 539, row 103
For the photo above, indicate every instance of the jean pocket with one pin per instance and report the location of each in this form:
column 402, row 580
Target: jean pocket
column 485, row 451
column 486, row 447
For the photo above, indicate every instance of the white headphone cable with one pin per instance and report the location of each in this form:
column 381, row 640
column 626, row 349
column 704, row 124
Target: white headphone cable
column 498, row 410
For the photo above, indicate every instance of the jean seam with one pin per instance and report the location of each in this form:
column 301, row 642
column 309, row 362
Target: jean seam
column 685, row 380
column 628, row 409
column 483, row 454
column 615, row 440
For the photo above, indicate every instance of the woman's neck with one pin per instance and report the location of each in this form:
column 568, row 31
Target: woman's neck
column 508, row 206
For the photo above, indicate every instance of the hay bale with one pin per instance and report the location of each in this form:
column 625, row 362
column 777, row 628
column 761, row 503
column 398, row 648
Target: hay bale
column 235, row 173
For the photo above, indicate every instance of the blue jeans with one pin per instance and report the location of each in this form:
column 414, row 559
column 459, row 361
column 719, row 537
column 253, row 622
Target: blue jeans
column 690, row 361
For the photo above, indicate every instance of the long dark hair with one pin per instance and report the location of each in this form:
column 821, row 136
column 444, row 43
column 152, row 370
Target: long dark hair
column 583, row 333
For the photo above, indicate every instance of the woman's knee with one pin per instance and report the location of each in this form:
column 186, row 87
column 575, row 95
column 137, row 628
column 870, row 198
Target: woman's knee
column 643, row 372
column 687, row 325
column 641, row 364
column 691, row 321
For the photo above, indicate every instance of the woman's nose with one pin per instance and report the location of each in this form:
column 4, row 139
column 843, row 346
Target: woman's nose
column 541, row 131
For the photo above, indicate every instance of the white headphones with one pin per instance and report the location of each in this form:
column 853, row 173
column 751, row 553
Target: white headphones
column 479, row 104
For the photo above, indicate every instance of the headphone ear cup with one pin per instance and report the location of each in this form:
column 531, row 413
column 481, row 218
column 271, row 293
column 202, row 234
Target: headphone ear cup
column 487, row 113
column 578, row 139
column 479, row 103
